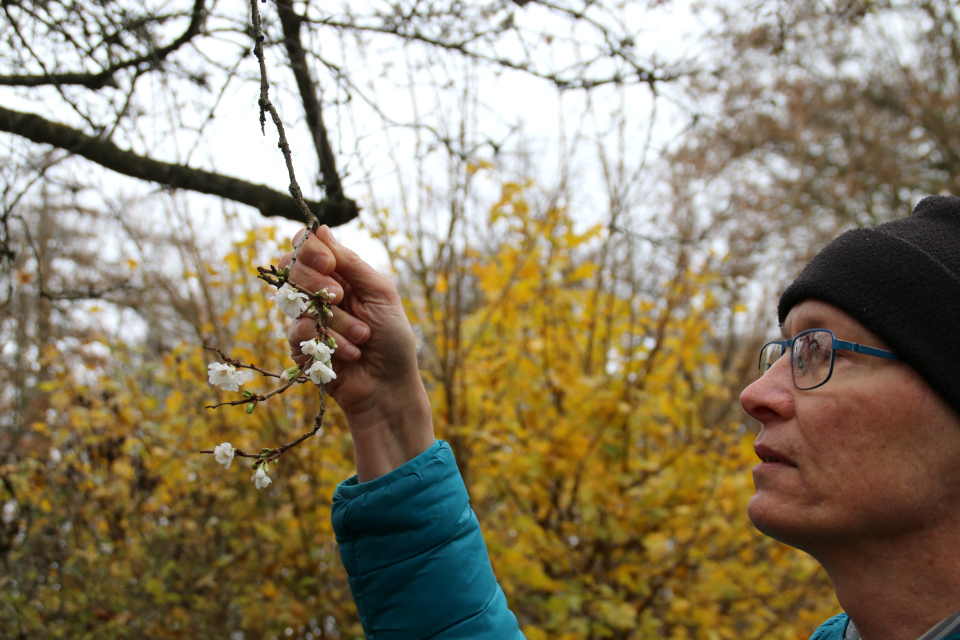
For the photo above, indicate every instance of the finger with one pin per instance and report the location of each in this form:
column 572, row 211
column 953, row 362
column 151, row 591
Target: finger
column 298, row 331
column 313, row 281
column 356, row 331
column 346, row 330
column 345, row 350
column 365, row 280
column 314, row 254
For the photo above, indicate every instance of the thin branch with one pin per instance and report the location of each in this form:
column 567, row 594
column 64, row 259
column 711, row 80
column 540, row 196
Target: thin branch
column 319, row 306
column 637, row 74
column 291, row 23
column 265, row 105
column 106, row 77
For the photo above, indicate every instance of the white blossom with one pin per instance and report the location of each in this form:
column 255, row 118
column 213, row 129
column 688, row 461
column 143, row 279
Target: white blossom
column 319, row 372
column 226, row 376
column 260, row 478
column 224, row 454
column 291, row 302
column 316, row 349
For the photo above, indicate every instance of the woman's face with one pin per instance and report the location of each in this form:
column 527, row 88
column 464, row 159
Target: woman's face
column 873, row 453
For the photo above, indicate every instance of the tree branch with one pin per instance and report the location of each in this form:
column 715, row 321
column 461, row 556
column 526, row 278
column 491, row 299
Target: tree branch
column 269, row 202
column 106, row 78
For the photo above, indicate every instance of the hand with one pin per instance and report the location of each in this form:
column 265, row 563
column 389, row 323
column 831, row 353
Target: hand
column 379, row 387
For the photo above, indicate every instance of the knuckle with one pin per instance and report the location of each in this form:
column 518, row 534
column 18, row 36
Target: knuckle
column 391, row 288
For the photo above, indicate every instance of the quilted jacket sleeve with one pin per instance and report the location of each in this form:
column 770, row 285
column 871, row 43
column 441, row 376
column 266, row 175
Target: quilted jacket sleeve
column 417, row 563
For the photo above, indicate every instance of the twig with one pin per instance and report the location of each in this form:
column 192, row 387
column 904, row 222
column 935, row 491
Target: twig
column 319, row 301
column 265, row 105
column 239, row 364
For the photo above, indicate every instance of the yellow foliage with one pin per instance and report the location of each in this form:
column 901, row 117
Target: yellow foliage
column 128, row 532
column 594, row 432
column 611, row 508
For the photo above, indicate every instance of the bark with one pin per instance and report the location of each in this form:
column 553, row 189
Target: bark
column 331, row 211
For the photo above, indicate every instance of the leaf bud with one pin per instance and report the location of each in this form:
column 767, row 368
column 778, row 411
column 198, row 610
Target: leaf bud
column 247, row 393
column 251, row 406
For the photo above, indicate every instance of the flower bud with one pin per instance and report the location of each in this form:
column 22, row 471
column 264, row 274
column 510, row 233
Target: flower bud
column 251, row 406
column 291, row 373
column 327, row 312
column 247, row 393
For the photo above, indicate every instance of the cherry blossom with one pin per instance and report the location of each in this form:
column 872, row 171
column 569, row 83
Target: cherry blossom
column 260, row 478
column 319, row 373
column 224, row 454
column 291, row 302
column 316, row 349
column 226, row 376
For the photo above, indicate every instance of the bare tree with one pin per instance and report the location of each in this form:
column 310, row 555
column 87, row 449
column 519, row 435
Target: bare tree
column 824, row 116
column 115, row 82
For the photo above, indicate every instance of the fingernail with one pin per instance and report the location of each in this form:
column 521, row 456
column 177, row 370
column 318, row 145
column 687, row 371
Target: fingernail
column 320, row 262
column 350, row 352
column 357, row 334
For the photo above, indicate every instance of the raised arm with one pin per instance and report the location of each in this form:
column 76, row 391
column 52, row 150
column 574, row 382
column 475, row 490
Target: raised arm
column 408, row 538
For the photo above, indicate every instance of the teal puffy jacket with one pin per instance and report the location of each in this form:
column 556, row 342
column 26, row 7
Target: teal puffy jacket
column 416, row 560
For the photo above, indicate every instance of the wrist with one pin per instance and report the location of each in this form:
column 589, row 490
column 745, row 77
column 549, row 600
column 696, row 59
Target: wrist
column 393, row 430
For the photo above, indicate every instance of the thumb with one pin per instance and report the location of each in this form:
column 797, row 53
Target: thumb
column 364, row 279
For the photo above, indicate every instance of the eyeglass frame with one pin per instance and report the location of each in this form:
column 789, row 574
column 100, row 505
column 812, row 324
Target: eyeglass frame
column 843, row 345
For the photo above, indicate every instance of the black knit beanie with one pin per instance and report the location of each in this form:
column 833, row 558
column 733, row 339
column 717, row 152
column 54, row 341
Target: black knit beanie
column 901, row 280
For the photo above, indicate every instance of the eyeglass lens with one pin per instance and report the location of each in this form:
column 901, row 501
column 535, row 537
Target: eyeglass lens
column 770, row 354
column 812, row 358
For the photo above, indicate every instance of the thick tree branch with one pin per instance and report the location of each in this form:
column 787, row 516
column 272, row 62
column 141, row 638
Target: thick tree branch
column 290, row 22
column 269, row 202
column 89, row 80
column 106, row 78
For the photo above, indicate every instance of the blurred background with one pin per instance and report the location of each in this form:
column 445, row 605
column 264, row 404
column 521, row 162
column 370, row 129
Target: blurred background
column 590, row 207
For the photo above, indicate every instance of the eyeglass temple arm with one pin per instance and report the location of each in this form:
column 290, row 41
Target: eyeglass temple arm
column 859, row 348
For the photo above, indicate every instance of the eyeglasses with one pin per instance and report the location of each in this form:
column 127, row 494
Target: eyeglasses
column 812, row 354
